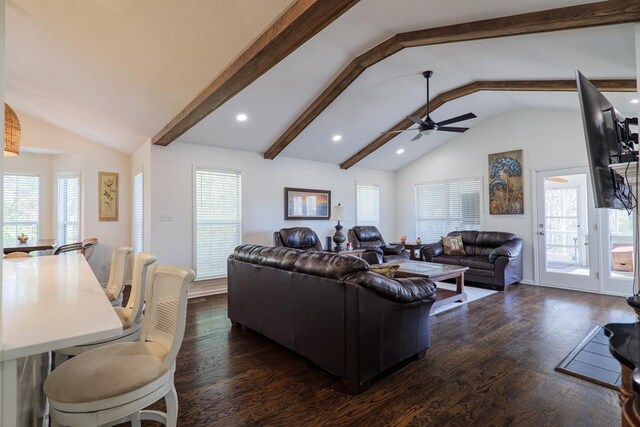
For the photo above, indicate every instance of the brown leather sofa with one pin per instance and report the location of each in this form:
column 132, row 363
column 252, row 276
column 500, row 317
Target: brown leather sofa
column 330, row 309
column 302, row 238
column 369, row 237
column 493, row 257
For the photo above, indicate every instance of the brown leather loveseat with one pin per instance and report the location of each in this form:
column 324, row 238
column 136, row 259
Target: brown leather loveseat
column 493, row 257
column 330, row 309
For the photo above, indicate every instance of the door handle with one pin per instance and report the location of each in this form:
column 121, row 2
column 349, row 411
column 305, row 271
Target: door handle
column 541, row 233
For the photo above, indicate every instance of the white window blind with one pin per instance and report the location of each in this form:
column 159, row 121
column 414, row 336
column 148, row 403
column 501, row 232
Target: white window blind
column 68, row 209
column 217, row 220
column 21, row 207
column 442, row 207
column 138, row 213
column 367, row 204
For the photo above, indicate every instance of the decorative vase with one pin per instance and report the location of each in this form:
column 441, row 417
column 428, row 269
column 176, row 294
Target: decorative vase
column 22, row 238
column 418, row 241
column 403, row 239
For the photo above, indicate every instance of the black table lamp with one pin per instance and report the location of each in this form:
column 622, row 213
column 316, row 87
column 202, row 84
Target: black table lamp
column 338, row 238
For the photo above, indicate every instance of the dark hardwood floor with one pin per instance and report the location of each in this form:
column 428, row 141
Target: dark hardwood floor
column 491, row 363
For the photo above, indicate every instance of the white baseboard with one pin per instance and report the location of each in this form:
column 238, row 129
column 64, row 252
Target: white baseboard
column 208, row 287
column 527, row 282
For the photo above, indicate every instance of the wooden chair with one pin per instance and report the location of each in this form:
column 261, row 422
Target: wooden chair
column 17, row 255
column 131, row 316
column 117, row 274
column 114, row 383
column 87, row 247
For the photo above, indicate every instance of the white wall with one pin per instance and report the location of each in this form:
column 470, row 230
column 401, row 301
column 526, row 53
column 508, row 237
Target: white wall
column 73, row 153
column 549, row 139
column 263, row 183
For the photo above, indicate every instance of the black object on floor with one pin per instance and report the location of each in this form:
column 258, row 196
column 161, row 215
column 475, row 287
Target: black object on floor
column 592, row 361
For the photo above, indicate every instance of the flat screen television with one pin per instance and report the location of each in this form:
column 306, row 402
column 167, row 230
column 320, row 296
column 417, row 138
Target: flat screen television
column 601, row 129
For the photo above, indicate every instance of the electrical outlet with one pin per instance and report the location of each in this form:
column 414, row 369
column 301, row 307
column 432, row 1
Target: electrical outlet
column 166, row 217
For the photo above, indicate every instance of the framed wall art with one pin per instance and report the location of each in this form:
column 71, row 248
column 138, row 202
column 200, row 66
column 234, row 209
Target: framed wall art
column 108, row 194
column 303, row 203
column 506, row 187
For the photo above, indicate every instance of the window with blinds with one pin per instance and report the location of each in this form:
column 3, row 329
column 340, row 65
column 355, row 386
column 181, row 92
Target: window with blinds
column 367, row 204
column 21, row 207
column 217, row 220
column 138, row 213
column 68, row 209
column 442, row 207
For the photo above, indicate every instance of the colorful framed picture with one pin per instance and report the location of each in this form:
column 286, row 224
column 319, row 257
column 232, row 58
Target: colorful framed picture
column 506, row 186
column 108, row 194
column 302, row 203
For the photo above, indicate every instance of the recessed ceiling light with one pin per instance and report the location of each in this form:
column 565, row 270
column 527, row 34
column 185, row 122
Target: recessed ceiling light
column 400, row 151
column 336, row 138
column 634, row 101
column 241, row 117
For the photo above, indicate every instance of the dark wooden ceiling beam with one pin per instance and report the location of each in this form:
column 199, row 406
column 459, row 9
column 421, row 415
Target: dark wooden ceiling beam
column 301, row 21
column 565, row 18
column 611, row 85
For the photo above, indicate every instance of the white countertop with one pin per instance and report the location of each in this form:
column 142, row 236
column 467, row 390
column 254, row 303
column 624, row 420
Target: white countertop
column 52, row 302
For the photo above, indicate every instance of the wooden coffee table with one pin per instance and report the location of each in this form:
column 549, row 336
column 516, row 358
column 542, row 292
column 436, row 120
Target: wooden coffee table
column 437, row 272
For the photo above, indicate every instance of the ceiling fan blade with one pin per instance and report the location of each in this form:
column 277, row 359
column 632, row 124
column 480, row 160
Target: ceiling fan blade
column 417, row 120
column 452, row 129
column 457, row 119
column 417, row 137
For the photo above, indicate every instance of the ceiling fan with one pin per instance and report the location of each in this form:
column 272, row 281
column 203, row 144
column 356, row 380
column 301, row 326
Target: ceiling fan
column 428, row 126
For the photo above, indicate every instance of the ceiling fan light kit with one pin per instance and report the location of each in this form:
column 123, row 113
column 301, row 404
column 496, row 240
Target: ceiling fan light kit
column 427, row 126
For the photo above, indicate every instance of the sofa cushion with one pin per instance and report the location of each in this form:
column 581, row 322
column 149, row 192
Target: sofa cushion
column 407, row 290
column 479, row 262
column 325, row 264
column 448, row 259
column 493, row 238
column 276, row 257
column 368, row 233
column 453, row 245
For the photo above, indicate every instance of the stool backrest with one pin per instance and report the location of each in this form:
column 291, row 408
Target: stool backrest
column 166, row 308
column 118, row 269
column 142, row 261
column 87, row 247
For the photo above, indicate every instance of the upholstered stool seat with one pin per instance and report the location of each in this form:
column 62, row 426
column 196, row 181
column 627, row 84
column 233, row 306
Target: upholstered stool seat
column 94, row 377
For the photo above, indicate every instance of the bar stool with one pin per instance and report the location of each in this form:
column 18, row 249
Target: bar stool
column 117, row 274
column 114, row 383
column 87, row 247
column 131, row 316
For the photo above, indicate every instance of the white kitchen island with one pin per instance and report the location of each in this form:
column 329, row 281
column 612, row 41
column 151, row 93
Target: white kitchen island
column 48, row 303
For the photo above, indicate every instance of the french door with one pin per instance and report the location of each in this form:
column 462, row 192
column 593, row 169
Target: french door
column 566, row 230
column 580, row 247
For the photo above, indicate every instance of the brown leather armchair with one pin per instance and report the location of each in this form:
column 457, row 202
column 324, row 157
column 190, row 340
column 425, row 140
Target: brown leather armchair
column 377, row 251
column 302, row 238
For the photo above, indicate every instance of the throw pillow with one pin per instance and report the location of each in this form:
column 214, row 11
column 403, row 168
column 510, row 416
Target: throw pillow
column 387, row 271
column 453, row 245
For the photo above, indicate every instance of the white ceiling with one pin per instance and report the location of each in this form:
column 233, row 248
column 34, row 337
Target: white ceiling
column 393, row 88
column 116, row 71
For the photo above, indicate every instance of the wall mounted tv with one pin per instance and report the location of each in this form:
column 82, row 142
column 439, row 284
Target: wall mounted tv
column 608, row 142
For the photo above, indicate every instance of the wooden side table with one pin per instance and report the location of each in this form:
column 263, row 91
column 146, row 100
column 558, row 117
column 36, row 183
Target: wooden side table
column 412, row 247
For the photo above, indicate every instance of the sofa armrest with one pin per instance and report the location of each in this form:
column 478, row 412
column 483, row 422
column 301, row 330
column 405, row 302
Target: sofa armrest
column 406, row 290
column 431, row 250
column 392, row 250
column 510, row 249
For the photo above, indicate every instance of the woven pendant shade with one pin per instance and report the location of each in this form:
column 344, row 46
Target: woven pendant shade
column 11, row 133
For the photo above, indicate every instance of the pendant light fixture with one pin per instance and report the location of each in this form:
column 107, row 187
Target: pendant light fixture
column 11, row 132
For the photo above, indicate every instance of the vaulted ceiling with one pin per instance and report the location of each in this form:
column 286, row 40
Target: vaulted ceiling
column 118, row 71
